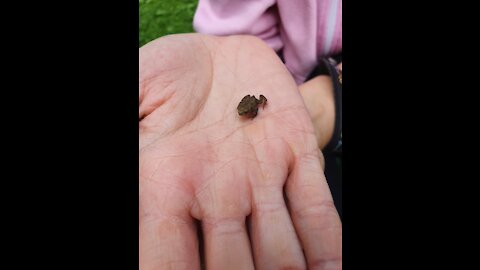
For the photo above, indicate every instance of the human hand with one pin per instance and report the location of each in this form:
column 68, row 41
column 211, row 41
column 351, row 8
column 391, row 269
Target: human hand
column 199, row 160
column 319, row 99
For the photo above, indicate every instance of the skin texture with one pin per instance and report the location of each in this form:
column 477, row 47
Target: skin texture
column 319, row 100
column 256, row 186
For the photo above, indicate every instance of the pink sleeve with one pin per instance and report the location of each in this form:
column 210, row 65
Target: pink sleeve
column 311, row 29
column 306, row 30
column 230, row 17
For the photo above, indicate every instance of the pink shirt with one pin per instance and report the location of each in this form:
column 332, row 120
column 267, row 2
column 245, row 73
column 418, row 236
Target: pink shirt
column 304, row 29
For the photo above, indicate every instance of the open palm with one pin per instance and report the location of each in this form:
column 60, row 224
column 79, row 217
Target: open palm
column 254, row 187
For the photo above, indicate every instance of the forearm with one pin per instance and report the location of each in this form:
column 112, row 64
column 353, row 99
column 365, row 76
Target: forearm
column 318, row 96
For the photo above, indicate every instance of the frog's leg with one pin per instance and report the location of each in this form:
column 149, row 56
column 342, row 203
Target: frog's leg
column 263, row 100
column 254, row 113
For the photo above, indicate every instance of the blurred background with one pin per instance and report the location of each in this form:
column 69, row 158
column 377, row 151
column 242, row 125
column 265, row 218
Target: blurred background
column 163, row 17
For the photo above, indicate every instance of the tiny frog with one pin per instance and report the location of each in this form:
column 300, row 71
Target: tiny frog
column 249, row 105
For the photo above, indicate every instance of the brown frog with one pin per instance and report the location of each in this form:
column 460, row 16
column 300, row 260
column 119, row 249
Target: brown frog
column 249, row 105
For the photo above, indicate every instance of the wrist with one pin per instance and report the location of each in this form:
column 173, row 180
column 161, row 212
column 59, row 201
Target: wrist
column 319, row 99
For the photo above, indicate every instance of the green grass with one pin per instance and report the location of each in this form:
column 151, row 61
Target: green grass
column 164, row 17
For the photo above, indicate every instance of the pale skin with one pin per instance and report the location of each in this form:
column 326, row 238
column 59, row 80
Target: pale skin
column 318, row 96
column 199, row 160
